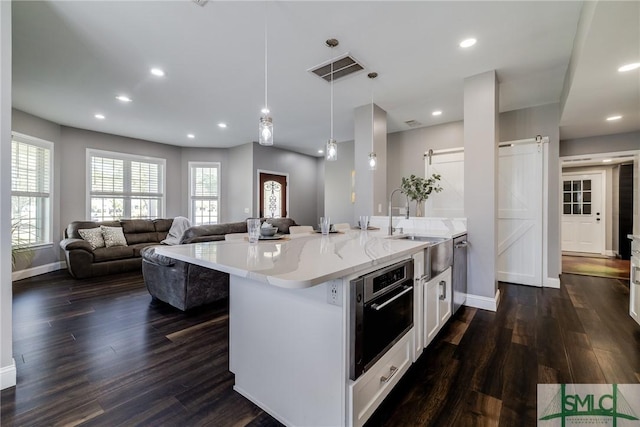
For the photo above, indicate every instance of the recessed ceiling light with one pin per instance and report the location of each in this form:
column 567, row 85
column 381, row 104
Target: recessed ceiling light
column 437, row 113
column 157, row 72
column 320, row 151
column 629, row 67
column 190, row 136
column 612, row 118
column 607, row 160
column 123, row 98
column 99, row 116
column 468, row 42
column 222, row 125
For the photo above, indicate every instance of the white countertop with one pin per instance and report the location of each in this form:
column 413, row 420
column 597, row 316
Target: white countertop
column 298, row 262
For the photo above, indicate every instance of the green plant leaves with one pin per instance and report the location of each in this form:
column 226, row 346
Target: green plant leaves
column 419, row 189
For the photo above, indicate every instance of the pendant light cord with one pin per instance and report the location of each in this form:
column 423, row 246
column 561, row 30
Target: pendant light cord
column 373, row 123
column 266, row 20
column 331, row 98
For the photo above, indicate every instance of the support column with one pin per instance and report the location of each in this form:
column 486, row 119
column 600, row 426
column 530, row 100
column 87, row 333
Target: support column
column 370, row 186
column 7, row 365
column 481, row 187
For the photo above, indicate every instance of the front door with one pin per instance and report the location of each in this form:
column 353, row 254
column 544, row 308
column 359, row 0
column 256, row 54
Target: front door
column 582, row 214
column 273, row 195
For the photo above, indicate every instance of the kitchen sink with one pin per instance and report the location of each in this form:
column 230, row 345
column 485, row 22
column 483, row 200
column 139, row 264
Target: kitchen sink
column 419, row 238
column 438, row 256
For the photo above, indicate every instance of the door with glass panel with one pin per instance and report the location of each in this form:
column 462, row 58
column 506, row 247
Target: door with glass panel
column 582, row 214
column 273, row 195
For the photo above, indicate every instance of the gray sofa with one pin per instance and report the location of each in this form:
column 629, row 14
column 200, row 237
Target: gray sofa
column 83, row 261
column 185, row 285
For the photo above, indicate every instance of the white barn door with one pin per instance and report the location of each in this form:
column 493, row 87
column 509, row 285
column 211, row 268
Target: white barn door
column 450, row 202
column 520, row 207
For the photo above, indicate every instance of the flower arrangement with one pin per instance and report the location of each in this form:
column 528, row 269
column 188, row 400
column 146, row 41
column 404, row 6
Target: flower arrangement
column 419, row 189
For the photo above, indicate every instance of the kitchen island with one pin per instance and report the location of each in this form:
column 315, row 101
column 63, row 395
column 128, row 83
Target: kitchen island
column 289, row 322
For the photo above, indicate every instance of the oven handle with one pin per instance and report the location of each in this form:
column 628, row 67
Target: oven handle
column 377, row 307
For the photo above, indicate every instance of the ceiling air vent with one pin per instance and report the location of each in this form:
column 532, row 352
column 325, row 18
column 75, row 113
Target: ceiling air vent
column 343, row 66
column 413, row 123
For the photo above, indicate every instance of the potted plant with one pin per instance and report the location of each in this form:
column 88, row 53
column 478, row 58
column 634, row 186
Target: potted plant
column 419, row 189
column 21, row 251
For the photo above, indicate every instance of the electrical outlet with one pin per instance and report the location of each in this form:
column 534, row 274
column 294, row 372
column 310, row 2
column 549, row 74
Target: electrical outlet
column 379, row 207
column 246, row 210
column 334, row 293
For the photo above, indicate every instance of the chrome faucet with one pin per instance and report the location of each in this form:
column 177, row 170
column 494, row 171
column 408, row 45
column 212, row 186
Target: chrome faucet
column 391, row 229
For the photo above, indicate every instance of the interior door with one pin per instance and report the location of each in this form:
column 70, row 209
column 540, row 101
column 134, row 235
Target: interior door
column 520, row 214
column 450, row 202
column 273, row 195
column 582, row 214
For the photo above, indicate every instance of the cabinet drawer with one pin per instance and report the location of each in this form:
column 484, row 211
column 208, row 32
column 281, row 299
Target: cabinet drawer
column 373, row 386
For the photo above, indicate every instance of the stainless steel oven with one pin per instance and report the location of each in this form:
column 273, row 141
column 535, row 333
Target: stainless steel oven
column 381, row 313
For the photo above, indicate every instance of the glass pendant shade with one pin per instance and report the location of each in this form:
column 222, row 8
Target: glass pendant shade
column 373, row 161
column 332, row 150
column 266, row 130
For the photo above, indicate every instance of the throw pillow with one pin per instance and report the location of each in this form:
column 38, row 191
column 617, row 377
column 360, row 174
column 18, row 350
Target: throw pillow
column 113, row 236
column 93, row 236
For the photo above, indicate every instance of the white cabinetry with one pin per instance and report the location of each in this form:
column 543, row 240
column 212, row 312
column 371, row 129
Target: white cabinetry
column 634, row 284
column 437, row 304
column 366, row 394
column 418, row 288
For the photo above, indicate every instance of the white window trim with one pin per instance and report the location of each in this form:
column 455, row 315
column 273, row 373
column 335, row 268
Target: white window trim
column 124, row 156
column 27, row 139
column 192, row 165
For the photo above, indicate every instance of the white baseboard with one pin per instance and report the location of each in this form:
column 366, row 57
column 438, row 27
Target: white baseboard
column 484, row 303
column 36, row 271
column 551, row 282
column 8, row 375
column 610, row 253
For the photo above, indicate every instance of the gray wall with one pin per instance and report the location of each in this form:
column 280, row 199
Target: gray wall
column 302, row 179
column 7, row 366
column 240, row 183
column 337, row 184
column 600, row 144
column 527, row 123
column 73, row 184
column 370, row 132
column 405, row 151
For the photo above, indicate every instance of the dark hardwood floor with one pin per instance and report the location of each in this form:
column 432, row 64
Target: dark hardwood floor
column 100, row 353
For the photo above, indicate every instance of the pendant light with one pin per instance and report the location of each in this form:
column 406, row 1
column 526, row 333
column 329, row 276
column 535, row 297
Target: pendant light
column 265, row 129
column 332, row 146
column 373, row 159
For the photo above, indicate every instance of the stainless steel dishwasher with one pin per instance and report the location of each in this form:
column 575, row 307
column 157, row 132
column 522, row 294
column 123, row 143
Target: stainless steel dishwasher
column 459, row 276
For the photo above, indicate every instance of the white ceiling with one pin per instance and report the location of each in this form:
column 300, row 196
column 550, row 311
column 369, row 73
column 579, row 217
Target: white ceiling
column 71, row 58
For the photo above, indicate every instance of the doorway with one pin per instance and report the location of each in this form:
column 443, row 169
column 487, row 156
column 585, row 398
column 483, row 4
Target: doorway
column 617, row 214
column 273, row 195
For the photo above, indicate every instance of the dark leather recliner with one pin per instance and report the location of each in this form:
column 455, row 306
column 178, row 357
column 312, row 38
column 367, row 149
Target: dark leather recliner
column 182, row 284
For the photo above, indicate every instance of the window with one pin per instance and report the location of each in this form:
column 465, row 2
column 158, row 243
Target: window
column 124, row 186
column 30, row 191
column 204, row 193
column 576, row 197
